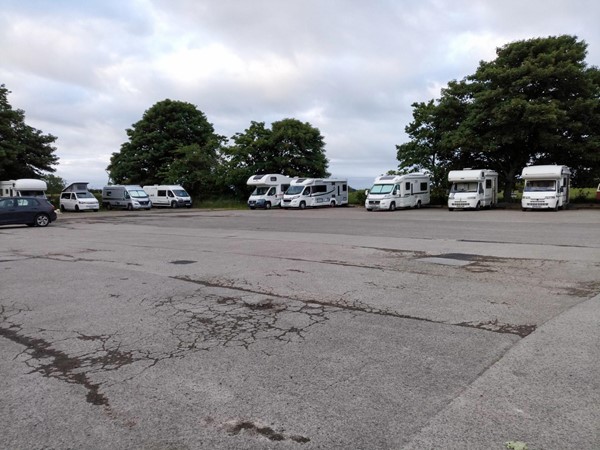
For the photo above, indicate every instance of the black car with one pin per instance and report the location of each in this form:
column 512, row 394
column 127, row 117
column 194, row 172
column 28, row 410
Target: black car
column 32, row 211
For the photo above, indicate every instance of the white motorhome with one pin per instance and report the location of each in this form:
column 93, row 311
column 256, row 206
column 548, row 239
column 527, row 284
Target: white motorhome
column 125, row 196
column 545, row 187
column 399, row 191
column 315, row 192
column 24, row 187
column 472, row 189
column 77, row 197
column 268, row 191
column 173, row 196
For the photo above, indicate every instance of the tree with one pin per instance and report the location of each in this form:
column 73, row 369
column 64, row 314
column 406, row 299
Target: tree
column 25, row 152
column 290, row 147
column 171, row 141
column 54, row 183
column 536, row 103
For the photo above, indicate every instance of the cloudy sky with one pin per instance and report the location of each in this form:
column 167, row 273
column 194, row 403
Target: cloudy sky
column 85, row 71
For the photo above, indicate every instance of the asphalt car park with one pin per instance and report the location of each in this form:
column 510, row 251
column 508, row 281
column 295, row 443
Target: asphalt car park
column 328, row 328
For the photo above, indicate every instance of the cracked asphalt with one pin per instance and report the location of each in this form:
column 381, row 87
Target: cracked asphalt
column 330, row 328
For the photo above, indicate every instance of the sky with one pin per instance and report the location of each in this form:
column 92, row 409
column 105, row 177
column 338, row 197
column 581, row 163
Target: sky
column 85, row 71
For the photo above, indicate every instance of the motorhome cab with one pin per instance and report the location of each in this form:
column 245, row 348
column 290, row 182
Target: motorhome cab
column 268, row 191
column 314, row 192
column 76, row 197
column 24, row 187
column 171, row 196
column 545, row 187
column 472, row 189
column 128, row 197
column 399, row 191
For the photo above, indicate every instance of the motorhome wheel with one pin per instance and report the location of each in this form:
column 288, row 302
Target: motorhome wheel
column 418, row 205
column 393, row 206
column 332, row 204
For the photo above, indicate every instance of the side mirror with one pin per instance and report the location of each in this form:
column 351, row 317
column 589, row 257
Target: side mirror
column 366, row 192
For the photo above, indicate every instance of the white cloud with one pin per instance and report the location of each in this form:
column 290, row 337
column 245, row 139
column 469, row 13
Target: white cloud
column 86, row 71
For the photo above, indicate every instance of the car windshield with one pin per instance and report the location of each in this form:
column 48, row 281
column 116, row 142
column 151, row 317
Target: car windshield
column 180, row 193
column 381, row 188
column 261, row 190
column 540, row 185
column 465, row 187
column 294, row 190
column 138, row 193
column 85, row 195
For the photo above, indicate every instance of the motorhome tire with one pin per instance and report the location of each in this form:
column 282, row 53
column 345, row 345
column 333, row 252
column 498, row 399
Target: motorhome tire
column 450, row 209
column 418, row 205
column 478, row 206
column 268, row 205
column 302, row 205
column 393, row 206
column 332, row 204
column 42, row 220
column 108, row 206
column 555, row 207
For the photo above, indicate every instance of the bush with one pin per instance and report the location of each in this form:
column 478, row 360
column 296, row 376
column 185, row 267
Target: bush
column 357, row 198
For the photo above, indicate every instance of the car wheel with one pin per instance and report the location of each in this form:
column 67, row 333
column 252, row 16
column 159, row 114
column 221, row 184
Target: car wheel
column 42, row 220
column 393, row 206
column 302, row 205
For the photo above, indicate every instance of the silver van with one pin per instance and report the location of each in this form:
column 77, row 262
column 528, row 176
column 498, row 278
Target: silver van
column 125, row 196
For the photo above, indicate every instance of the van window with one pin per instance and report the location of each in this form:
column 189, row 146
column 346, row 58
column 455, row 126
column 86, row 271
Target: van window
column 161, row 193
column 65, row 195
column 170, row 194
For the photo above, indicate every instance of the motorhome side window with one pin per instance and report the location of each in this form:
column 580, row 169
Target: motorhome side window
column 407, row 185
column 423, row 187
column 488, row 184
column 319, row 189
column 344, row 188
column 273, row 178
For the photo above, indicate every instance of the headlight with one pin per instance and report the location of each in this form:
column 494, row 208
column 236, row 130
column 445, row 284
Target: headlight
column 451, row 195
column 471, row 198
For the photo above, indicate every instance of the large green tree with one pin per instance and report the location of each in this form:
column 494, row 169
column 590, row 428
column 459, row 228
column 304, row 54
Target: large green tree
column 25, row 152
column 536, row 103
column 171, row 142
column 290, row 147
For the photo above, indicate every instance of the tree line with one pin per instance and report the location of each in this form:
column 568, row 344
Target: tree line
column 537, row 102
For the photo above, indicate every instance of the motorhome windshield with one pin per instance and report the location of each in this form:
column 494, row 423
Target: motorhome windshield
column 180, row 193
column 540, row 185
column 138, row 193
column 465, row 187
column 294, row 190
column 261, row 190
column 85, row 195
column 381, row 188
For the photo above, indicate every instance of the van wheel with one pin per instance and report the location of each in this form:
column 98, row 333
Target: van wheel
column 173, row 204
column 555, row 207
column 268, row 205
column 302, row 205
column 62, row 208
column 450, row 209
column 392, row 206
column 129, row 207
column 76, row 208
column 478, row 206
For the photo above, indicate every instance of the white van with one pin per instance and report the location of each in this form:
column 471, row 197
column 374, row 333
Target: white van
column 76, row 197
column 315, row 192
column 399, row 191
column 472, row 189
column 128, row 197
column 173, row 196
column 269, row 190
column 24, row 187
column 545, row 187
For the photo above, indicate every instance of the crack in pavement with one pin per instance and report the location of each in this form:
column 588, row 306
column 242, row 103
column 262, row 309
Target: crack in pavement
column 521, row 330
